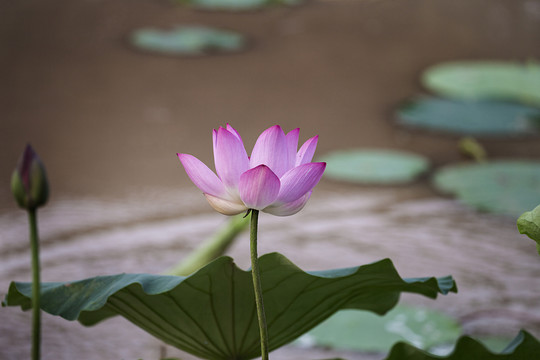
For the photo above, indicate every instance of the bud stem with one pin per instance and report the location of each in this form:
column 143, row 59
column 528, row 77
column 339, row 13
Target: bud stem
column 255, row 273
column 36, row 311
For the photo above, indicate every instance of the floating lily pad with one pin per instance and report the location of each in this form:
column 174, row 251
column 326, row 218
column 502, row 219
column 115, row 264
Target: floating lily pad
column 505, row 187
column 187, row 40
column 485, row 80
column 495, row 343
column 476, row 118
column 236, row 5
column 374, row 166
column 228, row 5
column 211, row 313
column 356, row 330
column 523, row 347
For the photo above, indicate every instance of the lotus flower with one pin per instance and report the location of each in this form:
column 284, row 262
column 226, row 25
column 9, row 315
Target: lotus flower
column 276, row 179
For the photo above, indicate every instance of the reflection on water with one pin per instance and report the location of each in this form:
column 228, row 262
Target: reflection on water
column 494, row 266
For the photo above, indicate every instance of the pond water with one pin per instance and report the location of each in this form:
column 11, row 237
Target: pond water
column 107, row 122
column 424, row 235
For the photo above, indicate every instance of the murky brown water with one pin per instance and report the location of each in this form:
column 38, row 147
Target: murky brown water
column 108, row 121
column 494, row 266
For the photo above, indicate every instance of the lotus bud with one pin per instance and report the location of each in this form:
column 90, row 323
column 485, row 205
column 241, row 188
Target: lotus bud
column 29, row 181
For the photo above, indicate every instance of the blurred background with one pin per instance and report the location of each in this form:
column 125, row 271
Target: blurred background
column 108, row 120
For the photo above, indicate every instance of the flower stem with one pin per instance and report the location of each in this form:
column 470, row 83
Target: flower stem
column 255, row 273
column 36, row 311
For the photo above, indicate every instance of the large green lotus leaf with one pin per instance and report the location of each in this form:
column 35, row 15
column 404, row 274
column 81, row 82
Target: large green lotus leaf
column 485, row 80
column 211, row 313
column 187, row 40
column 523, row 347
column 418, row 326
column 464, row 117
column 529, row 224
column 505, row 187
column 370, row 166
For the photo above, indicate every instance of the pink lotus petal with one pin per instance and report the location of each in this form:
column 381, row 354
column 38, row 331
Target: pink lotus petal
column 226, row 207
column 306, row 152
column 234, row 132
column 230, row 158
column 298, row 181
column 271, row 150
column 258, row 187
column 202, row 176
column 214, row 140
column 289, row 208
column 292, row 146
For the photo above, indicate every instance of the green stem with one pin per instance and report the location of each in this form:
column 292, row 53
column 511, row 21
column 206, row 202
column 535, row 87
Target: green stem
column 255, row 273
column 212, row 248
column 36, row 311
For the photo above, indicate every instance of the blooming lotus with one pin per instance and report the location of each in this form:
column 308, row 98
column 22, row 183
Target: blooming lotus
column 277, row 178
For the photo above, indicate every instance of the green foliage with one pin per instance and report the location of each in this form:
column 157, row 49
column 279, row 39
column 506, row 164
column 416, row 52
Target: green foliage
column 523, row 347
column 211, row 313
column 466, row 117
column 505, row 187
column 374, row 166
column 486, row 80
column 187, row 40
column 358, row 330
column 529, row 224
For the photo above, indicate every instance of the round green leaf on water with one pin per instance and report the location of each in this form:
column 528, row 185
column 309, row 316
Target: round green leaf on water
column 374, row 166
column 506, row 187
column 229, row 5
column 236, row 5
column 356, row 330
column 485, row 80
column 476, row 118
column 187, row 40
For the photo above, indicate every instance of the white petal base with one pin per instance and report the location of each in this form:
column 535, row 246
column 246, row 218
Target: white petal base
column 225, row 207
